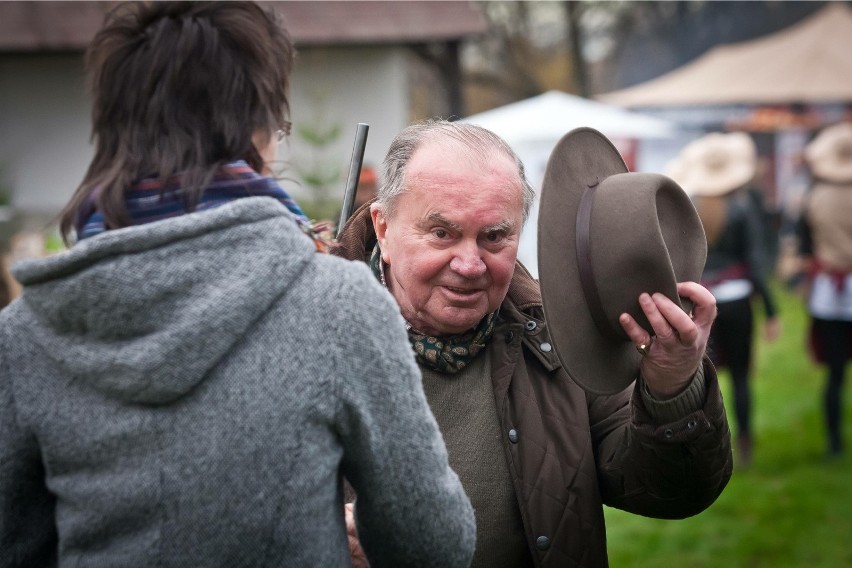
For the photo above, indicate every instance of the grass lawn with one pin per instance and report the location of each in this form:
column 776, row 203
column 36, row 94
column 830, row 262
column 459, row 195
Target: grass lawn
column 792, row 506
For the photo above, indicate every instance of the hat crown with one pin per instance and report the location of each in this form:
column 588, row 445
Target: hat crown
column 844, row 149
column 829, row 155
column 645, row 228
column 604, row 237
column 715, row 160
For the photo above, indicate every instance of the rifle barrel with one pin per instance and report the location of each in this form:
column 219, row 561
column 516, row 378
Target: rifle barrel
column 354, row 174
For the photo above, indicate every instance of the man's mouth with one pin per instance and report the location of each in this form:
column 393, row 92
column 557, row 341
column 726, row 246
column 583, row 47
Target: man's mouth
column 462, row 292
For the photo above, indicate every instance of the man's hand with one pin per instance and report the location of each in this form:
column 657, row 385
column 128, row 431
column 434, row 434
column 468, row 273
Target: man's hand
column 675, row 352
column 359, row 559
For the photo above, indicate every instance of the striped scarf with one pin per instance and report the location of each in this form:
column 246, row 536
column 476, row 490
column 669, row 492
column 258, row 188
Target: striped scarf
column 152, row 200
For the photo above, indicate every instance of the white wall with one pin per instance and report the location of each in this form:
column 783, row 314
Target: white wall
column 45, row 117
column 44, row 130
column 345, row 86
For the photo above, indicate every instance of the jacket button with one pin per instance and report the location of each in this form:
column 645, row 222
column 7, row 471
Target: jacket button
column 542, row 543
column 546, row 347
column 668, row 433
column 513, row 436
column 531, row 325
column 691, row 424
column 510, row 335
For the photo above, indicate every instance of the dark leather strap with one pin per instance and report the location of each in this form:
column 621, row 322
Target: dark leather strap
column 584, row 262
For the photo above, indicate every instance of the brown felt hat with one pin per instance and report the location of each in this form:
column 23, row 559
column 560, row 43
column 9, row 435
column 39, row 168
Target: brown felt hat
column 604, row 237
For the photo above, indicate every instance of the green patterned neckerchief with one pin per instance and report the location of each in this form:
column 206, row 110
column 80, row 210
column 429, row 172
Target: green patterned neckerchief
column 446, row 354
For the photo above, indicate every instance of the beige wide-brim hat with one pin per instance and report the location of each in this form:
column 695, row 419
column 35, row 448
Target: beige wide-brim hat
column 604, row 237
column 678, row 170
column 715, row 164
column 829, row 155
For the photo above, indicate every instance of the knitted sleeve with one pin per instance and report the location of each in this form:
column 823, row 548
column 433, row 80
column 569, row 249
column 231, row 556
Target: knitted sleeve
column 410, row 509
column 27, row 528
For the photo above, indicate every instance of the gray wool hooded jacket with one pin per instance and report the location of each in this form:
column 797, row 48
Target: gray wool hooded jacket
column 190, row 392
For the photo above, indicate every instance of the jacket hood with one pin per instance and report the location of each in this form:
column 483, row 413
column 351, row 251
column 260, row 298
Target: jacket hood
column 143, row 313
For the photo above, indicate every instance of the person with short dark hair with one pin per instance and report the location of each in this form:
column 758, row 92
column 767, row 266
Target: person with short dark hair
column 190, row 382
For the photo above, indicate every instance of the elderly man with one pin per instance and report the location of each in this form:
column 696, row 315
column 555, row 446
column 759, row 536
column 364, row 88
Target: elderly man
column 537, row 455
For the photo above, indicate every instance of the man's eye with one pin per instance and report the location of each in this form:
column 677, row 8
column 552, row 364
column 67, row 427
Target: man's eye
column 493, row 237
column 440, row 233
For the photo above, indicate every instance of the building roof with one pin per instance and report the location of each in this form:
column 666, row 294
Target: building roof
column 69, row 26
column 808, row 62
column 370, row 22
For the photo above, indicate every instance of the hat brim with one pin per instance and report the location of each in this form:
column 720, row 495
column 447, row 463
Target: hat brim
column 582, row 157
column 599, row 362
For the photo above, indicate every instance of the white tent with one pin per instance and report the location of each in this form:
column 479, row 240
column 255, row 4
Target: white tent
column 533, row 126
column 548, row 116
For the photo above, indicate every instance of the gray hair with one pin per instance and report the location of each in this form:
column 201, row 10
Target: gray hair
column 480, row 142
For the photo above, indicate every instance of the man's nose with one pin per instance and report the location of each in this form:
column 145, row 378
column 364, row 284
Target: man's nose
column 467, row 261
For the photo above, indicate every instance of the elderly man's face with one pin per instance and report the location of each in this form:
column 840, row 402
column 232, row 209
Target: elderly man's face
column 451, row 243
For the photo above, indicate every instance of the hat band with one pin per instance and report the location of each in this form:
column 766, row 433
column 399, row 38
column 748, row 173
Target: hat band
column 584, row 263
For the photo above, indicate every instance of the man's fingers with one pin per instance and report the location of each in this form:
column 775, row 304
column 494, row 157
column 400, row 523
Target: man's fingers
column 668, row 320
column 704, row 310
column 634, row 331
column 678, row 321
column 662, row 327
column 659, row 312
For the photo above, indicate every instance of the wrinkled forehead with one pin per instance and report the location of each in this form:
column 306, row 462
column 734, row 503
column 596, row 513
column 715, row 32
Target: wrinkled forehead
column 451, row 161
column 463, row 187
column 473, row 151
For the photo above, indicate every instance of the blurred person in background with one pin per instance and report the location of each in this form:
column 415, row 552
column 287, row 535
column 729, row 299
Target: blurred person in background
column 538, row 455
column 717, row 171
column 24, row 244
column 826, row 244
column 189, row 383
column 367, row 186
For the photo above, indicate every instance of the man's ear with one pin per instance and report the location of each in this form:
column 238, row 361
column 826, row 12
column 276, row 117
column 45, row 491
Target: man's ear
column 380, row 223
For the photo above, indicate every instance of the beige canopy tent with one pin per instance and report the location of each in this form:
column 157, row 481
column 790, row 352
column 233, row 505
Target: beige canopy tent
column 809, row 62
